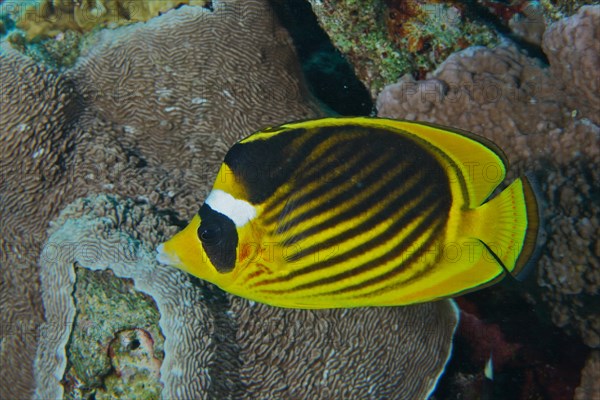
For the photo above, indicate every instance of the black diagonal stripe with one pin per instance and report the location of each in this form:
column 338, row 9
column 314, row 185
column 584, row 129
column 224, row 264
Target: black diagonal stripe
column 401, row 247
column 388, row 166
column 380, row 195
column 263, row 165
column 332, row 179
column 315, row 171
column 413, row 155
column 426, row 203
column 330, row 161
column 302, row 197
column 437, row 230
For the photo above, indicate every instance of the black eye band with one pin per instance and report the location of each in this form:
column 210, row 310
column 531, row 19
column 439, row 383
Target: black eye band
column 209, row 235
column 219, row 238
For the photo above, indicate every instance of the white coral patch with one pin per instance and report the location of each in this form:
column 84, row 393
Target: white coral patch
column 166, row 258
column 239, row 211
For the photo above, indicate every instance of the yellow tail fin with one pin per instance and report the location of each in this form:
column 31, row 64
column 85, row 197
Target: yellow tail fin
column 512, row 226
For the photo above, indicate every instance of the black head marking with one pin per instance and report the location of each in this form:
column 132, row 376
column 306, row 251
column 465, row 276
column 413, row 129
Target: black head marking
column 219, row 238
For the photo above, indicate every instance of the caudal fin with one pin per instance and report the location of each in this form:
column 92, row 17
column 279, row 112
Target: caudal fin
column 512, row 234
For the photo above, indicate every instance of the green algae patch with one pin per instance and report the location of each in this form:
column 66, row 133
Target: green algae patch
column 386, row 39
column 116, row 346
column 55, row 32
column 557, row 9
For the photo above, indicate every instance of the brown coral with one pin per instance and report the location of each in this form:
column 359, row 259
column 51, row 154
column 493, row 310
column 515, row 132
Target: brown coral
column 573, row 48
column 509, row 98
column 149, row 113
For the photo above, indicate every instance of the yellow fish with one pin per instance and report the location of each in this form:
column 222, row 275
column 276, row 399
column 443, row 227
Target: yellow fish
column 354, row 212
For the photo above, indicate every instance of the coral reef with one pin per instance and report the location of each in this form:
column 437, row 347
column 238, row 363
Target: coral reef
column 56, row 32
column 47, row 18
column 528, row 110
column 58, row 52
column 387, row 39
column 149, row 112
column 218, row 345
column 135, row 368
column 99, row 234
column 557, row 9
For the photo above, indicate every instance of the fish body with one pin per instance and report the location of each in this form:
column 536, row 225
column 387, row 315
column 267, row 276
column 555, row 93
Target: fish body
column 352, row 212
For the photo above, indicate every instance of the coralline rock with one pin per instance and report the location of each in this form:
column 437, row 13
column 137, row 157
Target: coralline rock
column 149, row 112
column 216, row 345
column 100, row 234
column 529, row 23
column 589, row 389
column 557, row 9
column 105, row 304
column 511, row 99
column 573, row 49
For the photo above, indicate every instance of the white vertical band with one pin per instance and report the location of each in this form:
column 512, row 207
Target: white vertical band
column 239, row 211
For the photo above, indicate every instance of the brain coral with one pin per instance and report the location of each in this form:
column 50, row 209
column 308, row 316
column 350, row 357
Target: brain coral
column 511, row 99
column 225, row 347
column 148, row 113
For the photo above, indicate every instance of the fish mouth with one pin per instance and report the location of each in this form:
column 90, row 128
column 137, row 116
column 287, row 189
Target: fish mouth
column 165, row 257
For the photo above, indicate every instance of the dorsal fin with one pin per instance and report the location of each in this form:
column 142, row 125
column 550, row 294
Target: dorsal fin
column 481, row 163
column 476, row 162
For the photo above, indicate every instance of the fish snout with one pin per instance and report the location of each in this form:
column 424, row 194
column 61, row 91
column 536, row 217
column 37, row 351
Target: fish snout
column 163, row 256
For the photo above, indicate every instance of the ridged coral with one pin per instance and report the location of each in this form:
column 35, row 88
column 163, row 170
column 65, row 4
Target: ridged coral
column 37, row 111
column 149, row 112
column 527, row 110
column 220, row 346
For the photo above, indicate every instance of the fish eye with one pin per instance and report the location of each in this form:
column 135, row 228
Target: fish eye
column 209, row 235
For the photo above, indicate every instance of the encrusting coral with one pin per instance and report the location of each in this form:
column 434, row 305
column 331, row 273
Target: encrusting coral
column 384, row 39
column 149, row 112
column 573, row 49
column 223, row 346
column 535, row 116
column 47, row 18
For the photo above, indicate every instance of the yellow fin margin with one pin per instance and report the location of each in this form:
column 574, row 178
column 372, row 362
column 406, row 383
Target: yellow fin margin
column 481, row 163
